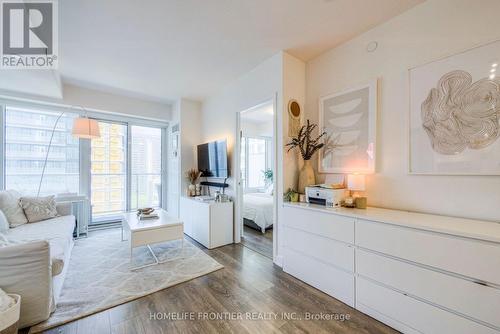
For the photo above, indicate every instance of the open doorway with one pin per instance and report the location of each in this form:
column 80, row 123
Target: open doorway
column 257, row 164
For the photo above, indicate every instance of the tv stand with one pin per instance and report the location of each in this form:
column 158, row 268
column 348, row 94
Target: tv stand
column 214, row 184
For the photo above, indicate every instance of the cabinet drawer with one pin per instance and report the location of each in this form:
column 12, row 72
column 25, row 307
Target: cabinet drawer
column 412, row 316
column 335, row 282
column 325, row 224
column 475, row 259
column 327, row 250
column 477, row 301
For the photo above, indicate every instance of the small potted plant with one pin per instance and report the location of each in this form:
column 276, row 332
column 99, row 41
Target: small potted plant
column 291, row 195
column 307, row 146
column 192, row 176
column 268, row 176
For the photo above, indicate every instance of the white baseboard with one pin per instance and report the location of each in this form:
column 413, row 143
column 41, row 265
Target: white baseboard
column 279, row 261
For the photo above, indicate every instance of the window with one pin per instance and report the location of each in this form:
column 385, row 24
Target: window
column 27, row 136
column 145, row 167
column 108, row 171
column 255, row 160
column 120, row 171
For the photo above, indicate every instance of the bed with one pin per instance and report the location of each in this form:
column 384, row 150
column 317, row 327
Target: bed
column 258, row 208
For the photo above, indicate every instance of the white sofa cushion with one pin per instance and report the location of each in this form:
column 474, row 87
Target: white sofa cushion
column 57, row 231
column 38, row 208
column 9, row 204
column 4, row 223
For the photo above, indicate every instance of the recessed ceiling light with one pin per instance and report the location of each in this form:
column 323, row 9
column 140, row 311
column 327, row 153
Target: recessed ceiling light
column 494, row 65
column 493, row 70
column 492, row 76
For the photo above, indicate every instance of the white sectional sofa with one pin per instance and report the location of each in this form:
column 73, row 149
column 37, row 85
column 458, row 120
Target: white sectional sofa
column 34, row 265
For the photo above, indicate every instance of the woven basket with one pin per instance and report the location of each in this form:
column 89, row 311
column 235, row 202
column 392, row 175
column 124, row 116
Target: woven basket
column 9, row 319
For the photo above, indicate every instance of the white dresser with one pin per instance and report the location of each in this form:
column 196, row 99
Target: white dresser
column 210, row 223
column 417, row 273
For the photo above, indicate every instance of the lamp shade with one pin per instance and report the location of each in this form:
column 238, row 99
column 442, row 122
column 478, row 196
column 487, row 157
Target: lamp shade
column 86, row 128
column 356, row 182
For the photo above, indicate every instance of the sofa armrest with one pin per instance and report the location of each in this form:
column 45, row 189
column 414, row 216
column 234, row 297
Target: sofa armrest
column 63, row 208
column 25, row 269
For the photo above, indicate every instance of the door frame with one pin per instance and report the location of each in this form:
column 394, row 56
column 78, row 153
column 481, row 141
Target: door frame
column 238, row 226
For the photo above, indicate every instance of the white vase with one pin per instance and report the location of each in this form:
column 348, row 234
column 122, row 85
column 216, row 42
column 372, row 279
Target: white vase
column 192, row 190
column 306, row 176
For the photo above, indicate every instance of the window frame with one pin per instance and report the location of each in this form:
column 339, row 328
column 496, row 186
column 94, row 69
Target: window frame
column 268, row 164
column 84, row 145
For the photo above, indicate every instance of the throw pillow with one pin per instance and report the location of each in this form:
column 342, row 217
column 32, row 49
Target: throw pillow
column 9, row 204
column 39, row 208
column 4, row 223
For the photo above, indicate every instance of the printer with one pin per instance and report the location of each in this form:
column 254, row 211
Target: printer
column 325, row 196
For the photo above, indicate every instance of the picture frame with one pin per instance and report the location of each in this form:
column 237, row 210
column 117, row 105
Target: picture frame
column 349, row 118
column 463, row 149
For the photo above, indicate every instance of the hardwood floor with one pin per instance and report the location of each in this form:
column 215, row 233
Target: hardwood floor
column 249, row 283
column 257, row 241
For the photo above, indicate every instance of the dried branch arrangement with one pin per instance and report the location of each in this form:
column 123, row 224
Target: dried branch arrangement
column 192, row 175
column 305, row 143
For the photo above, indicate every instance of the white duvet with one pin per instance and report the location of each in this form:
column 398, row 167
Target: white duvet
column 258, row 207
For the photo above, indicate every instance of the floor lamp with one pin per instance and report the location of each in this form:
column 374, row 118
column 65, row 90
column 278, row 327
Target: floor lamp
column 83, row 127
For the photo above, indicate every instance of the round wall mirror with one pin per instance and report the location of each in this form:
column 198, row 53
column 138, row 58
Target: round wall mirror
column 293, row 118
column 294, row 108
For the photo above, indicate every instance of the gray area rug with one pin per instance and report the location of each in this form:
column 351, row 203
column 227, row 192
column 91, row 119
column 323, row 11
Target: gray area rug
column 99, row 275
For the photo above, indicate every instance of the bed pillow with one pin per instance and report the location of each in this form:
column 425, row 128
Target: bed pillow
column 9, row 204
column 4, row 223
column 39, row 208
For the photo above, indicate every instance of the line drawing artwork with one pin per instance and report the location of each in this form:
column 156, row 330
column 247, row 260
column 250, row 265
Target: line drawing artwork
column 454, row 114
column 461, row 114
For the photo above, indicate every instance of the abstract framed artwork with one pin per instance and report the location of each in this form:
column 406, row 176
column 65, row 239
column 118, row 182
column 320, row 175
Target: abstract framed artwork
column 349, row 119
column 454, row 114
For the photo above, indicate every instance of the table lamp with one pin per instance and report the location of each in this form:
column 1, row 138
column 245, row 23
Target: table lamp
column 356, row 184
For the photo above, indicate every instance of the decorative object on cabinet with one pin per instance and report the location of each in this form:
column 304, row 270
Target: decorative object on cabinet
column 454, row 112
column 307, row 146
column 192, row 175
column 291, row 196
column 355, row 183
column 294, row 112
column 361, row 202
column 349, row 119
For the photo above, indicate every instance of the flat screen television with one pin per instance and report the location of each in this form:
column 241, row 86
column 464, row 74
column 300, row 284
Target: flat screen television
column 212, row 159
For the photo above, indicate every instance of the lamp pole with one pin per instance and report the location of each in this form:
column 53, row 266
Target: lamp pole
column 47, row 155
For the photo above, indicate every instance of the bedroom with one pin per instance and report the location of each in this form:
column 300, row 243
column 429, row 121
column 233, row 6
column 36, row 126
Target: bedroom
column 256, row 177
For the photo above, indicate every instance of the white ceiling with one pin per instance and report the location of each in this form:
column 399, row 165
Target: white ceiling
column 167, row 49
column 260, row 114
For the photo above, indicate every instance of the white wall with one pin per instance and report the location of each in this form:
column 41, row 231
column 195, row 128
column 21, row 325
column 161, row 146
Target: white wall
column 264, row 83
column 282, row 76
column 190, row 128
column 219, row 112
column 427, row 32
column 98, row 100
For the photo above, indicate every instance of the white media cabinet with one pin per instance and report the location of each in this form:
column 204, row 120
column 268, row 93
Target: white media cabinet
column 417, row 273
column 208, row 222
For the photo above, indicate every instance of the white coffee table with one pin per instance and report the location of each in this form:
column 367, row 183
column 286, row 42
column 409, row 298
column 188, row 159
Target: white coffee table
column 151, row 231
